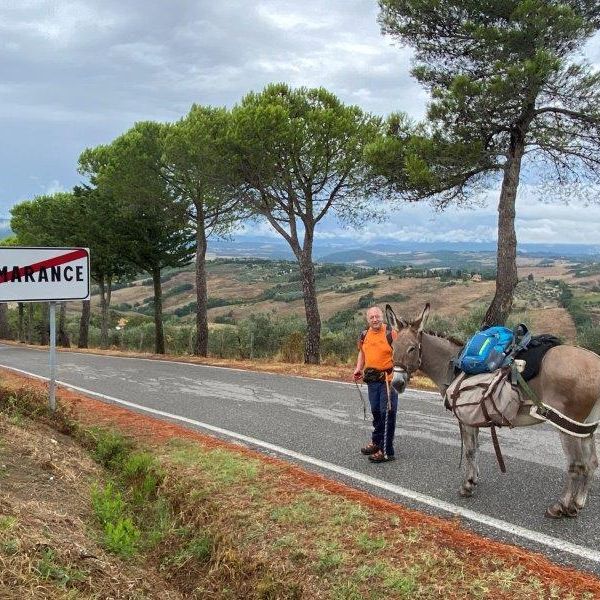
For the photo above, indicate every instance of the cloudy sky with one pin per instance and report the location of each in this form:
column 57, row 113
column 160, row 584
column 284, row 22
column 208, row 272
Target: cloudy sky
column 79, row 73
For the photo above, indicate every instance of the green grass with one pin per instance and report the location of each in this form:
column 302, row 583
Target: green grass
column 48, row 568
column 297, row 513
column 7, row 522
column 329, row 557
column 222, row 467
column 403, row 583
column 109, row 448
column 128, row 508
column 199, row 548
column 121, row 537
column 349, row 514
column 9, row 547
column 371, row 572
column 370, row 544
column 347, row 591
column 287, row 541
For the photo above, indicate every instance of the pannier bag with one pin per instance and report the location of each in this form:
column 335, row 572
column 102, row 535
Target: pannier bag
column 486, row 351
column 485, row 399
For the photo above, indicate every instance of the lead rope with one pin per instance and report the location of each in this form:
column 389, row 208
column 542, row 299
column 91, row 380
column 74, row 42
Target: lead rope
column 362, row 398
column 388, row 409
column 462, row 445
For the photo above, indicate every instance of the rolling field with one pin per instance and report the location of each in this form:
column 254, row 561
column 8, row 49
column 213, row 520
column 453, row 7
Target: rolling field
column 249, row 288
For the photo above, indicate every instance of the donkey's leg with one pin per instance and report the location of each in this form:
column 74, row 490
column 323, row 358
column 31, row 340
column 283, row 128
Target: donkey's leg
column 469, row 438
column 590, row 459
column 576, row 469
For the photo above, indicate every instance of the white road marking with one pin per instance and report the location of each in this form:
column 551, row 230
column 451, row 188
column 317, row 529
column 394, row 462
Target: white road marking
column 498, row 524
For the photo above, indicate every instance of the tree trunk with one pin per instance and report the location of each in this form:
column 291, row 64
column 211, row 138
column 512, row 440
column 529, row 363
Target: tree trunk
column 21, row 321
column 62, row 335
column 4, row 327
column 105, row 294
column 506, row 272
column 84, row 325
column 29, row 323
column 45, row 326
column 201, row 344
column 159, row 337
column 313, row 320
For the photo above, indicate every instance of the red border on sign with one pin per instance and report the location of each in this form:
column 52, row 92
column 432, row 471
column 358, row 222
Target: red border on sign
column 44, row 264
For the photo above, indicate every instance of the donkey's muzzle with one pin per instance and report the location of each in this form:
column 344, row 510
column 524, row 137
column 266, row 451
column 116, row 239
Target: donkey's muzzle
column 399, row 379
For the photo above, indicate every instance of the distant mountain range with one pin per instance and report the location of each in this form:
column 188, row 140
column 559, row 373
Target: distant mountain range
column 389, row 253
column 381, row 254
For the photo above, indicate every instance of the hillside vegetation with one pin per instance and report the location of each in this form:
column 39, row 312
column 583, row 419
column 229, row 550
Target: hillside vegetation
column 256, row 307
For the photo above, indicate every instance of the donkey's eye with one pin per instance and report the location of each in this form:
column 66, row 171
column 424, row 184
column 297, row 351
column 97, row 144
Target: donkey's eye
column 411, row 349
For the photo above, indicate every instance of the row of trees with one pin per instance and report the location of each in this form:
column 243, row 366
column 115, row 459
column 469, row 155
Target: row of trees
column 156, row 193
column 505, row 86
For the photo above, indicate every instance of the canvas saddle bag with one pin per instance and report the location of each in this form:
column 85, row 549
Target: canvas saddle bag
column 485, row 400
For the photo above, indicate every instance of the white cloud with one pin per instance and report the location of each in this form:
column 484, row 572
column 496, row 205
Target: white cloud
column 77, row 73
column 54, row 187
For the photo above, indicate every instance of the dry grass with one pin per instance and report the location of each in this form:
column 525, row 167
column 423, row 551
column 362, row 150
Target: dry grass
column 47, row 549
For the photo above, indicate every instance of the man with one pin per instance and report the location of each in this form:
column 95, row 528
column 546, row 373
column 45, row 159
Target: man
column 375, row 358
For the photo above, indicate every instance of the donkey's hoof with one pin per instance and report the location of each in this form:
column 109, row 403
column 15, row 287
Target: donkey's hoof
column 556, row 511
column 465, row 492
column 571, row 511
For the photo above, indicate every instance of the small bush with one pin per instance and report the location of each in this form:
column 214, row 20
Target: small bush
column 393, row 298
column 107, row 502
column 366, row 301
column 292, row 348
column 109, row 448
column 347, row 289
column 227, row 319
column 121, row 537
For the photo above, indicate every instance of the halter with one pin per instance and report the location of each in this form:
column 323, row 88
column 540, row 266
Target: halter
column 401, row 368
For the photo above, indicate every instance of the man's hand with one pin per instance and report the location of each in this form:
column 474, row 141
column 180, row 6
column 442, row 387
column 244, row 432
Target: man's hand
column 357, row 375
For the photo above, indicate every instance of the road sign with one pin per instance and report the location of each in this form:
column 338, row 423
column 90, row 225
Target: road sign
column 44, row 274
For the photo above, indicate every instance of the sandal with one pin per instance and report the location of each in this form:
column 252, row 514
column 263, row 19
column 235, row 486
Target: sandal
column 370, row 448
column 379, row 457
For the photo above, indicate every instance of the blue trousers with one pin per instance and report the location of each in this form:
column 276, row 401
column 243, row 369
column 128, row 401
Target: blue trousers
column 378, row 401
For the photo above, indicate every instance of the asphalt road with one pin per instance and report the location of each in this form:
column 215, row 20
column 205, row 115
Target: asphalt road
column 320, row 425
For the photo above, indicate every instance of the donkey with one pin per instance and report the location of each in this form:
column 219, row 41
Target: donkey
column 568, row 380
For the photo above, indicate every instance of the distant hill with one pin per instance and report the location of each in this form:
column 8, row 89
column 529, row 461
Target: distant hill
column 382, row 254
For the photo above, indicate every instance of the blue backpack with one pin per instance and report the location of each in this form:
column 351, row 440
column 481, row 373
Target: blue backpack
column 486, row 351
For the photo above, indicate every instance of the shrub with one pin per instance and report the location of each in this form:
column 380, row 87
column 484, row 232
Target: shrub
column 398, row 297
column 344, row 320
column 347, row 289
column 178, row 289
column 366, row 300
column 292, row 348
column 224, row 343
column 341, row 345
column 227, row 319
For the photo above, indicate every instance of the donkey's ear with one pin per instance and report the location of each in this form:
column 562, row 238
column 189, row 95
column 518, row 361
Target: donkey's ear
column 393, row 320
column 420, row 322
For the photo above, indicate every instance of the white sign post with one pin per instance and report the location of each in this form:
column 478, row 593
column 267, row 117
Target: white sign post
column 45, row 275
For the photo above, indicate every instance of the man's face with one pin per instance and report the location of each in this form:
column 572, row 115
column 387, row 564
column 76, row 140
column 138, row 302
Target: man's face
column 375, row 318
